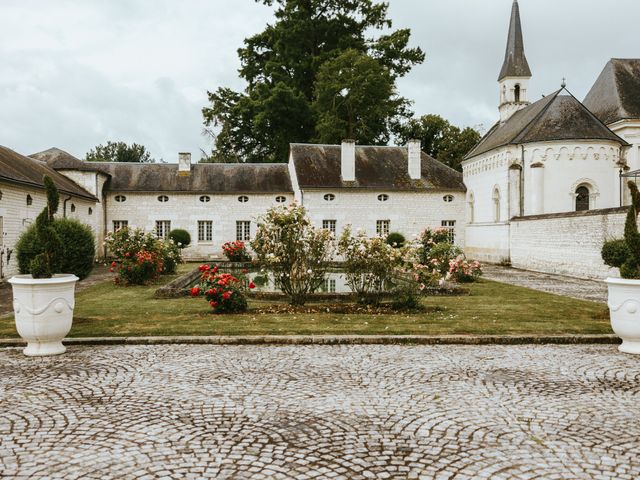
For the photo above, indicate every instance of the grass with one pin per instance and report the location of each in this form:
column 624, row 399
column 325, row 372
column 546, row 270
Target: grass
column 491, row 309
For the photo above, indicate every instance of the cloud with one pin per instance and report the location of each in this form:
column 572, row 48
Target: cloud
column 76, row 73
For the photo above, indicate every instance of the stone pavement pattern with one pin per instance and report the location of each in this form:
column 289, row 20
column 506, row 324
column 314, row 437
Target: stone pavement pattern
column 349, row 412
column 582, row 289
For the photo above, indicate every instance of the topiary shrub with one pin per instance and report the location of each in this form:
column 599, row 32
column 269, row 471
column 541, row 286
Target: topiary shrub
column 396, row 240
column 180, row 237
column 78, row 246
column 625, row 254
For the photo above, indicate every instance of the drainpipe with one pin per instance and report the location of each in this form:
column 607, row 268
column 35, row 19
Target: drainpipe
column 522, row 182
column 64, row 207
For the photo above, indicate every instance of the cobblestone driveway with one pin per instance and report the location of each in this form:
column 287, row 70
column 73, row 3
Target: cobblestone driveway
column 321, row 412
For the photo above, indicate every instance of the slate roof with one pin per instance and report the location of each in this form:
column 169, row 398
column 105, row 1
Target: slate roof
column 554, row 117
column 515, row 62
column 61, row 160
column 16, row 168
column 380, row 168
column 616, row 94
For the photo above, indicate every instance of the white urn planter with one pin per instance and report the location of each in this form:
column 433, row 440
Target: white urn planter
column 43, row 310
column 624, row 308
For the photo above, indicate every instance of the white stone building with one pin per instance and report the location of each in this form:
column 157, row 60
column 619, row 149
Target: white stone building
column 542, row 158
column 377, row 189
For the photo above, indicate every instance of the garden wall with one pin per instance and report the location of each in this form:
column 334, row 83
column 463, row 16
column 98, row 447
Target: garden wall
column 566, row 243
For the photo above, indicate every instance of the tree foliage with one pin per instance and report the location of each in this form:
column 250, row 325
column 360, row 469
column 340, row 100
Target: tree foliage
column 439, row 138
column 119, row 152
column 282, row 64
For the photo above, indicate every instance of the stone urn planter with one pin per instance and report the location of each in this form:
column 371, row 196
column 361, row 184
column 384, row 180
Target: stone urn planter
column 624, row 308
column 43, row 310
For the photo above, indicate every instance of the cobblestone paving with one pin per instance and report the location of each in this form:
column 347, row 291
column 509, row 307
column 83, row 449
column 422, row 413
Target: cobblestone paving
column 582, row 289
column 349, row 412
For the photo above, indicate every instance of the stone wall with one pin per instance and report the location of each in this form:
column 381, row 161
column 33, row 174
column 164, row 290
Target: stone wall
column 566, row 243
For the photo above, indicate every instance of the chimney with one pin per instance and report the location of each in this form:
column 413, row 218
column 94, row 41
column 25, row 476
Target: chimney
column 184, row 164
column 348, row 161
column 415, row 163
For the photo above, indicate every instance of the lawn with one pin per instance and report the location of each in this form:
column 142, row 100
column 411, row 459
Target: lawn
column 490, row 309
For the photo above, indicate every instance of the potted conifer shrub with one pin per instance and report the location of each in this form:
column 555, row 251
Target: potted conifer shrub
column 43, row 301
column 624, row 292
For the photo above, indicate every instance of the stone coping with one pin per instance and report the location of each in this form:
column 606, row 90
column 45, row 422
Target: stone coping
column 585, row 213
column 339, row 340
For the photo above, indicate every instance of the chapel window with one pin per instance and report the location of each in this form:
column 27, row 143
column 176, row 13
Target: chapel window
column 471, row 207
column 582, row 199
column 516, row 92
column 496, row 205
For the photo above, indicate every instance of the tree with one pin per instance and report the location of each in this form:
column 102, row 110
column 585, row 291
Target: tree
column 119, row 152
column 281, row 66
column 355, row 98
column 439, row 138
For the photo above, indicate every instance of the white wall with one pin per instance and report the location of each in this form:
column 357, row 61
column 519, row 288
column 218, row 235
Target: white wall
column 184, row 210
column 487, row 242
column 566, row 244
column 17, row 216
column 409, row 212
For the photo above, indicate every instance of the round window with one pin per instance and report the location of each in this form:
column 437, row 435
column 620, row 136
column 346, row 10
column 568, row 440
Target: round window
column 163, row 198
column 205, row 198
column 329, row 197
column 383, row 197
column 281, row 199
column 243, row 199
column 121, row 198
column 448, row 198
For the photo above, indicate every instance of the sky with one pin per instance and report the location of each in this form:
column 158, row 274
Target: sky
column 76, row 73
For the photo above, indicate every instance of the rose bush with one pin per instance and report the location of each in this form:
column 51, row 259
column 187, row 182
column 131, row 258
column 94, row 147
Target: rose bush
column 464, row 271
column 224, row 292
column 236, row 251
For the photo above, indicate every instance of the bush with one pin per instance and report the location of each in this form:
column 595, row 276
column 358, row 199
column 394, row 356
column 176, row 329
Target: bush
column 139, row 268
column 236, row 251
column 428, row 239
column 615, row 252
column 293, row 250
column 441, row 255
column 369, row 263
column 626, row 258
column 224, row 292
column 180, row 237
column 396, row 240
column 171, row 255
column 464, row 271
column 78, row 248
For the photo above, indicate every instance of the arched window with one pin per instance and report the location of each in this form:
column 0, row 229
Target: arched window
column 516, row 92
column 471, row 207
column 582, row 198
column 496, row 205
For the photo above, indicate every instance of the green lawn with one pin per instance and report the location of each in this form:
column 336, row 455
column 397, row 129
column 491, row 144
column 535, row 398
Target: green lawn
column 492, row 308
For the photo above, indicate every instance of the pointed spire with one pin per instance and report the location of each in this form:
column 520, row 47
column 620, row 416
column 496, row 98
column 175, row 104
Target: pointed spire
column 515, row 61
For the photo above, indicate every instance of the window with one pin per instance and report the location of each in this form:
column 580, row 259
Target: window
column 582, row 199
column 472, row 205
column 496, row 205
column 90, row 211
column 448, row 198
column 450, row 225
column 205, row 231
column 382, row 227
column 383, row 197
column 118, row 224
column 243, row 199
column 205, row 198
column 163, row 198
column 1, row 231
column 516, row 92
column 329, row 197
column 329, row 225
column 73, row 208
column 281, row 199
column 29, row 200
column 0, row 194
column 163, row 227
column 243, row 230
column 121, row 198
column 329, row 285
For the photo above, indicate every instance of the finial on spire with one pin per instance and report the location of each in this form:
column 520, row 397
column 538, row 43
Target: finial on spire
column 515, row 62
column 564, row 82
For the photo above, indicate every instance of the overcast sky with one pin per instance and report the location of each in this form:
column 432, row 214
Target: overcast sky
column 76, row 73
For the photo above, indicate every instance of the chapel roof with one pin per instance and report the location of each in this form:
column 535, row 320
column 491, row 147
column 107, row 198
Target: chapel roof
column 616, row 93
column 554, row 117
column 17, row 168
column 376, row 167
column 515, row 61
column 61, row 160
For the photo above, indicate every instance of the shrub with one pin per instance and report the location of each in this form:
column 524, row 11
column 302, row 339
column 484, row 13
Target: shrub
column 295, row 252
column 138, row 269
column 224, row 292
column 396, row 240
column 428, row 239
column 180, row 237
column 627, row 257
column 369, row 263
column 171, row 255
column 78, row 247
column 441, row 255
column 464, row 271
column 236, row 251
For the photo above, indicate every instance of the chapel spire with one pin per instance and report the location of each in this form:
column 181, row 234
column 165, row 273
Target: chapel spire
column 515, row 62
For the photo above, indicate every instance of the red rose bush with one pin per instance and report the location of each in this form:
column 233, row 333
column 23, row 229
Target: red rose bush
column 224, row 292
